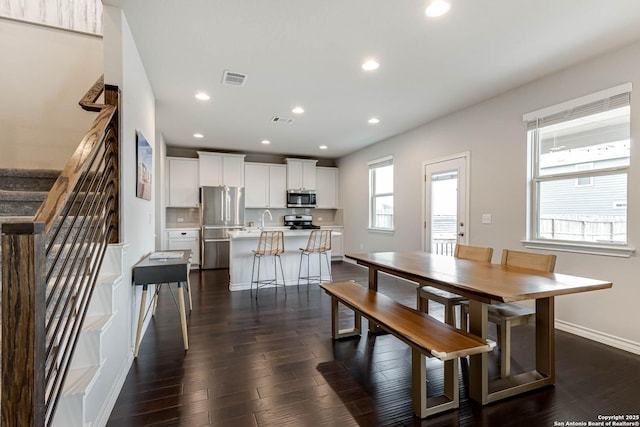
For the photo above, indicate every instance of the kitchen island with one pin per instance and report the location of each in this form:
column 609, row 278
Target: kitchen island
column 244, row 242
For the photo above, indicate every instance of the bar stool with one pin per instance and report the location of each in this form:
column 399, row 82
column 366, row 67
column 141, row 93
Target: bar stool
column 319, row 243
column 270, row 243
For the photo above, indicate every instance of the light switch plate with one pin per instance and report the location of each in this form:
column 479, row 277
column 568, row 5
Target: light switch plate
column 486, row 218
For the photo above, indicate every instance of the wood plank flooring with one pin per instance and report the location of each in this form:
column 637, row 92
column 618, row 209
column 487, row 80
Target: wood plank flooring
column 272, row 362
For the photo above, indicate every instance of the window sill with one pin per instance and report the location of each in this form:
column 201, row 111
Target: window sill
column 580, row 248
column 382, row 230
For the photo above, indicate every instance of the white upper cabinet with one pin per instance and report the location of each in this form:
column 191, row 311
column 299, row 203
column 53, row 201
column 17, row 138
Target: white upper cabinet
column 265, row 185
column 301, row 174
column 327, row 187
column 221, row 169
column 277, row 186
column 182, row 182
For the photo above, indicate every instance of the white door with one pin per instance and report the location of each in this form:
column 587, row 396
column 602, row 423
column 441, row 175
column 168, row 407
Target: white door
column 445, row 195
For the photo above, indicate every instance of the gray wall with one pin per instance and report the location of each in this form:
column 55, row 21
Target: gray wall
column 495, row 135
column 44, row 72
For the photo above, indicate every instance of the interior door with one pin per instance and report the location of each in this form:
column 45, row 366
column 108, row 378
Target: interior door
column 446, row 199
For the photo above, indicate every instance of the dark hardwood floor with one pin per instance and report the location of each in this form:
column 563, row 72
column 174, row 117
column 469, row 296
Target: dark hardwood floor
column 272, row 362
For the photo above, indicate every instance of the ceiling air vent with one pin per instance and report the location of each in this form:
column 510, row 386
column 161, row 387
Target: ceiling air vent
column 281, row 120
column 234, row 79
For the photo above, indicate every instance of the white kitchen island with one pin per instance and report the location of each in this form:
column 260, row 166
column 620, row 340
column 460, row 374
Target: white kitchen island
column 241, row 258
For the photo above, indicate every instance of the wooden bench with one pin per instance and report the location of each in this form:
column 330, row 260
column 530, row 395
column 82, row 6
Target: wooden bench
column 425, row 335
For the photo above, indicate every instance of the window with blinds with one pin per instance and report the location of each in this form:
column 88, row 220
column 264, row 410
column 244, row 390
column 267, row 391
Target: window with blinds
column 381, row 194
column 579, row 162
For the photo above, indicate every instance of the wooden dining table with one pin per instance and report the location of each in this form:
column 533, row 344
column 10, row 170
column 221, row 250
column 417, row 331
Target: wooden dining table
column 484, row 284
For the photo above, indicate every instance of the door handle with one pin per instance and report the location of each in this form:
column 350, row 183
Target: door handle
column 461, row 233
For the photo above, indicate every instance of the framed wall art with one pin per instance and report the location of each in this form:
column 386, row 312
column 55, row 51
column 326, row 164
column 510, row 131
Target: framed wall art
column 144, row 161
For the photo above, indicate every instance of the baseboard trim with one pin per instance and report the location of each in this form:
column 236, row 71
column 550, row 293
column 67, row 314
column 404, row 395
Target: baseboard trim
column 601, row 337
column 110, row 402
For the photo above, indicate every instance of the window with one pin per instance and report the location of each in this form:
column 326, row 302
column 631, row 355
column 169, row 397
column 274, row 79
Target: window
column 579, row 162
column 381, row 194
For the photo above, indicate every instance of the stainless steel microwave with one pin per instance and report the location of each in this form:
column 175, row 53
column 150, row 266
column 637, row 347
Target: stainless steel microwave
column 301, row 198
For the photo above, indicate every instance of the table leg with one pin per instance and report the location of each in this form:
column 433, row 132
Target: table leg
column 183, row 316
column 545, row 338
column 155, row 299
column 478, row 364
column 373, row 279
column 189, row 287
column 140, row 319
column 373, row 285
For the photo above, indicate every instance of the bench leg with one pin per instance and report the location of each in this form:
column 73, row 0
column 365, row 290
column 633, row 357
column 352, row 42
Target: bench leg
column 338, row 333
column 422, row 406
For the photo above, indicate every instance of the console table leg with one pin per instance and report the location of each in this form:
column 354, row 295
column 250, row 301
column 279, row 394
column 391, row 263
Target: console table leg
column 183, row 316
column 140, row 320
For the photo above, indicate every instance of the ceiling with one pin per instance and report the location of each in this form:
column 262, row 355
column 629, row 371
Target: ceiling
column 309, row 53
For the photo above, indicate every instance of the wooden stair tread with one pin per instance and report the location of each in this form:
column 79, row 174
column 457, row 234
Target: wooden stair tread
column 79, row 380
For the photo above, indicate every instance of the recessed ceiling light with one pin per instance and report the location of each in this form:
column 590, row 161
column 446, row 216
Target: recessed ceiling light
column 370, row 65
column 297, row 110
column 266, row 142
column 198, row 135
column 373, row 121
column 202, row 96
column 437, row 8
column 323, row 147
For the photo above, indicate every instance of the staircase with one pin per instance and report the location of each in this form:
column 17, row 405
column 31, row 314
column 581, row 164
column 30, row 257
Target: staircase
column 88, row 386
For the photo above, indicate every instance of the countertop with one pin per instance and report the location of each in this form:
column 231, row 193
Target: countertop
column 182, row 226
column 255, row 233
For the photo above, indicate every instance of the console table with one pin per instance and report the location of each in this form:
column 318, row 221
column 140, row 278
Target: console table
column 151, row 270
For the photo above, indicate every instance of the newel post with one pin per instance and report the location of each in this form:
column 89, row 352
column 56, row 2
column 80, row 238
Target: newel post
column 23, row 324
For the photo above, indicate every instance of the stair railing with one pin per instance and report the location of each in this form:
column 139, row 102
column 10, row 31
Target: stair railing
column 50, row 267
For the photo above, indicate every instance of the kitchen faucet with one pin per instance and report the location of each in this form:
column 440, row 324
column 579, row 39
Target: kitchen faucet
column 262, row 218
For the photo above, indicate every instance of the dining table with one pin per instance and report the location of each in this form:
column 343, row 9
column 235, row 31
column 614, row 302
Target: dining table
column 484, row 284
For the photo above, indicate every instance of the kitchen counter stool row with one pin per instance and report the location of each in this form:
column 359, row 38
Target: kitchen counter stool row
column 271, row 244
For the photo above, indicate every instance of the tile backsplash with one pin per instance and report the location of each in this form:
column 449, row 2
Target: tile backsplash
column 183, row 217
column 320, row 216
column 190, row 217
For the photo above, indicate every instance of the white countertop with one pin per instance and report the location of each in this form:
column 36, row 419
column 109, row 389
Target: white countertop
column 255, row 233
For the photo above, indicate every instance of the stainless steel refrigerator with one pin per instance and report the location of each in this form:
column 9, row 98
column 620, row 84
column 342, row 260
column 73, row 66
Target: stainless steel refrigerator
column 221, row 210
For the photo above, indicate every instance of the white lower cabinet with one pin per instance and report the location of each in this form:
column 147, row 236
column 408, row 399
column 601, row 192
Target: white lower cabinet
column 178, row 239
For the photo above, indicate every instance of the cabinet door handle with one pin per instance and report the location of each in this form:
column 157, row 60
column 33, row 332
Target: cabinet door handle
column 183, row 233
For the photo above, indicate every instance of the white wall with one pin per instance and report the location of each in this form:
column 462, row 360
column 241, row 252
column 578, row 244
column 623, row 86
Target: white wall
column 495, row 134
column 159, row 184
column 58, row 67
column 124, row 68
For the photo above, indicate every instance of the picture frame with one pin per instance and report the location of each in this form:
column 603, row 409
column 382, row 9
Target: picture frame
column 144, row 162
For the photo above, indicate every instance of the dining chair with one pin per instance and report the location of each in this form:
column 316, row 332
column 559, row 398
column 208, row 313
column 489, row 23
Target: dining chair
column 507, row 315
column 449, row 299
column 270, row 244
column 319, row 243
